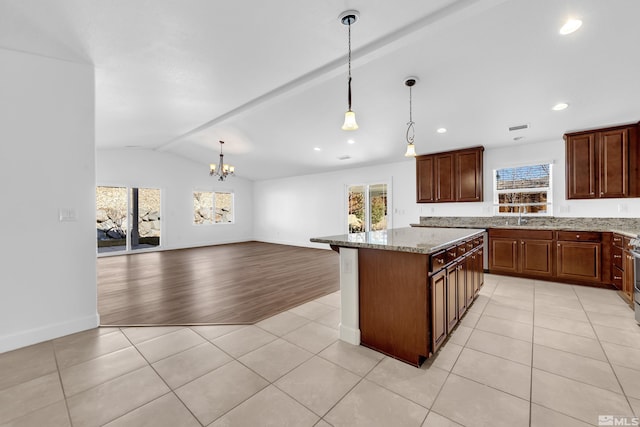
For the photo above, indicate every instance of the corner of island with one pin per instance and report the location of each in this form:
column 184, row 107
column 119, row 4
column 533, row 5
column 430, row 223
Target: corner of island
column 402, row 290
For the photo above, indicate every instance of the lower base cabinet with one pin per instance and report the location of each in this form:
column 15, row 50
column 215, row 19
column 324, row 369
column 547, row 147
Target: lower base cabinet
column 453, row 289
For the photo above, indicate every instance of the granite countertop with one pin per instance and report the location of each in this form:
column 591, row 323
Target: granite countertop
column 415, row 240
column 629, row 227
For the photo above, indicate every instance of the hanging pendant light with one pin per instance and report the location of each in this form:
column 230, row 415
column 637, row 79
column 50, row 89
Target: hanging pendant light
column 411, row 132
column 347, row 18
column 222, row 170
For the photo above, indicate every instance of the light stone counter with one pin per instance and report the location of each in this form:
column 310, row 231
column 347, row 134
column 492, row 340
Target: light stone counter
column 421, row 240
column 629, row 227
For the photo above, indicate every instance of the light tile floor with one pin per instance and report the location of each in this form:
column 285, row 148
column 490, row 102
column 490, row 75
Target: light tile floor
column 527, row 353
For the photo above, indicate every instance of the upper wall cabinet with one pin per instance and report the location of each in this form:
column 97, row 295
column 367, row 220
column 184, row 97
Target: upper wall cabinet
column 603, row 163
column 452, row 176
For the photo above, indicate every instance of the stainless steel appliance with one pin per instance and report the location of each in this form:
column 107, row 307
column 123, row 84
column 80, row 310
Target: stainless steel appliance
column 636, row 276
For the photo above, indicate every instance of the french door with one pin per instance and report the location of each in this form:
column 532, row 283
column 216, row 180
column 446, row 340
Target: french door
column 367, row 207
column 127, row 219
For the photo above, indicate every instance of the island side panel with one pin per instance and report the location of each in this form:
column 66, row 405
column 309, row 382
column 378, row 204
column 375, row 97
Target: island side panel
column 349, row 296
column 394, row 303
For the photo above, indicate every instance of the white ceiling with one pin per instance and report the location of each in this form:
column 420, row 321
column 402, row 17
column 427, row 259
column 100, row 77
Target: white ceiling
column 269, row 78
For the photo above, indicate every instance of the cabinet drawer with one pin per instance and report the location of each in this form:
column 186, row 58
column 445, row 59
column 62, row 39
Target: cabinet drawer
column 521, row 233
column 438, row 261
column 617, row 240
column 616, row 277
column 616, row 257
column 462, row 249
column 580, row 236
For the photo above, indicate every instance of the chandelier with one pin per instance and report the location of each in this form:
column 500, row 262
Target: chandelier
column 411, row 132
column 222, row 170
column 347, row 18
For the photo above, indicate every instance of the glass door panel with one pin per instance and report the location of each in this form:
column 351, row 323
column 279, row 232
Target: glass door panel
column 111, row 218
column 377, row 207
column 356, row 209
column 145, row 218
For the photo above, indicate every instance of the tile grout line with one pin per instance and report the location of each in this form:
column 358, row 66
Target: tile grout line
column 171, row 390
column 624, row 393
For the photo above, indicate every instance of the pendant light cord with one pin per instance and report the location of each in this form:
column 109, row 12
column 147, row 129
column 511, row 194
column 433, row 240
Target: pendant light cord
column 349, row 22
column 410, row 124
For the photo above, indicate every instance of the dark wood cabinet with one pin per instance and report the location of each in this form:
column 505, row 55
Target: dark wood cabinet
column 521, row 252
column 537, row 259
column 454, row 286
column 444, row 174
column 579, row 256
column 622, row 266
column 579, row 261
column 603, row 163
column 627, row 278
column 468, row 176
column 424, row 179
column 439, row 308
column 453, row 314
column 452, row 176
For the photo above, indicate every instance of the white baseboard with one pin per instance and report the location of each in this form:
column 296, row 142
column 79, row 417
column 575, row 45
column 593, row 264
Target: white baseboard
column 48, row 332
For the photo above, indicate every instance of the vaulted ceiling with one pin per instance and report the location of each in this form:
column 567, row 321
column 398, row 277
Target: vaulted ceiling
column 270, row 78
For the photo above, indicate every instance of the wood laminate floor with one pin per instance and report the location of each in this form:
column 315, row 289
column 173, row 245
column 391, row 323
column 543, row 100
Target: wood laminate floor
column 234, row 283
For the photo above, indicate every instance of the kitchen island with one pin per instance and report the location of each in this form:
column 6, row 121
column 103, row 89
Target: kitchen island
column 403, row 290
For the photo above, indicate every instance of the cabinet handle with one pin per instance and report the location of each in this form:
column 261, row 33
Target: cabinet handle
column 440, row 261
column 577, row 236
column 617, row 256
column 558, row 244
column 453, row 254
column 617, row 277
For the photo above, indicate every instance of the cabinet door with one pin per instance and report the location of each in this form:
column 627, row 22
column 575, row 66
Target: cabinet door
column 581, row 166
column 613, row 159
column 444, row 177
column 536, row 257
column 469, row 267
column 438, row 309
column 468, row 177
column 424, row 179
column 452, row 296
column 578, row 261
column 479, row 281
column 503, row 255
column 461, row 302
column 627, row 278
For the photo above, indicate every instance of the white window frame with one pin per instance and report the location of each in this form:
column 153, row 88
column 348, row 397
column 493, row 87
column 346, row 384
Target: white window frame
column 549, row 190
column 213, row 213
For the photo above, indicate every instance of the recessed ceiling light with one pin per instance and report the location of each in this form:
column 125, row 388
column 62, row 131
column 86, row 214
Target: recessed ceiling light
column 441, row 130
column 317, row 149
column 351, row 141
column 570, row 26
column 560, row 106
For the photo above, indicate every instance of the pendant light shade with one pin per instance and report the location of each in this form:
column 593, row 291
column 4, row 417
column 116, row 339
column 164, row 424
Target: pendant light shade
column 411, row 150
column 350, row 121
column 347, row 18
column 411, row 132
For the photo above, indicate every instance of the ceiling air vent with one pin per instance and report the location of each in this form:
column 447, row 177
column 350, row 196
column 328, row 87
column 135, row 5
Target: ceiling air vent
column 519, row 127
column 344, row 157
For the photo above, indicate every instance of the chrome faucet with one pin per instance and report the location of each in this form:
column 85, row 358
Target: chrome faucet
column 521, row 220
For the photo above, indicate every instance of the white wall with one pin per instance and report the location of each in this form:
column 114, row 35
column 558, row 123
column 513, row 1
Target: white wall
column 48, row 267
column 293, row 210
column 177, row 178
